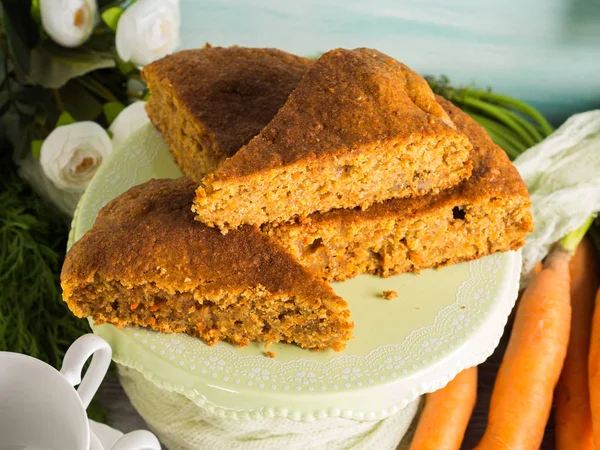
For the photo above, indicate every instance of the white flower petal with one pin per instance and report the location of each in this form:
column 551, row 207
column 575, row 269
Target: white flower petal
column 148, row 30
column 69, row 22
column 129, row 120
column 71, row 154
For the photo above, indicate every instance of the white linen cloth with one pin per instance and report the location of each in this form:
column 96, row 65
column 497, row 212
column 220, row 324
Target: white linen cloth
column 181, row 424
column 562, row 174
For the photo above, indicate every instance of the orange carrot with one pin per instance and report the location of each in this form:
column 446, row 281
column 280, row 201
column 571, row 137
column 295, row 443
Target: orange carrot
column 509, row 323
column 522, row 395
column 572, row 416
column 446, row 414
column 594, row 371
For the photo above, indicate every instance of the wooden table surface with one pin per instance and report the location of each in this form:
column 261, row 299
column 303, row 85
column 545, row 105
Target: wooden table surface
column 122, row 416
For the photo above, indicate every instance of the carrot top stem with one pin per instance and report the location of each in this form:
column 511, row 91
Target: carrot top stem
column 572, row 240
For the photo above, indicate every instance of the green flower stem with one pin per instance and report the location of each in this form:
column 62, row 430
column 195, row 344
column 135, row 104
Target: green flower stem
column 111, row 17
column 112, row 110
column 572, row 240
column 135, row 95
column 65, row 119
column 519, row 105
column 59, row 102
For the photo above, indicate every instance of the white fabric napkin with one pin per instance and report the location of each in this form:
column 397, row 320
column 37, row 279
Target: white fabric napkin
column 562, row 174
column 183, row 425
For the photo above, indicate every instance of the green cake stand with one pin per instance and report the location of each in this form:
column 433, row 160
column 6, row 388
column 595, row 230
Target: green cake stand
column 442, row 322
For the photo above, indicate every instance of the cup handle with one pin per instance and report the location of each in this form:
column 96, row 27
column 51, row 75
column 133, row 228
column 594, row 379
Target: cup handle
column 137, row 440
column 75, row 358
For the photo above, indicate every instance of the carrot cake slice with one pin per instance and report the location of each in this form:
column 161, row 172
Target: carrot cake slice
column 146, row 262
column 209, row 102
column 360, row 128
column 489, row 212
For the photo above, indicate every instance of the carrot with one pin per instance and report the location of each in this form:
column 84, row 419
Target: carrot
column 572, row 416
column 446, row 414
column 594, row 371
column 511, row 319
column 522, row 395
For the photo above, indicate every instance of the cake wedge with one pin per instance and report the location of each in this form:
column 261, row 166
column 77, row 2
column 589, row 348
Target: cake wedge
column 209, row 102
column 487, row 213
column 360, row 128
column 146, row 262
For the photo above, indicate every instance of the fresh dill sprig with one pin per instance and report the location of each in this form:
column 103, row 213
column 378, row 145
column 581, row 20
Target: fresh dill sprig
column 34, row 320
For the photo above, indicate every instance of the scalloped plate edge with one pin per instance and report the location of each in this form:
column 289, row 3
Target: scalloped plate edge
column 478, row 348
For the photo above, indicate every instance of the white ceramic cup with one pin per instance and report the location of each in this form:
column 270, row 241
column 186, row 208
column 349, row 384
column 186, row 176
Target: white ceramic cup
column 40, row 408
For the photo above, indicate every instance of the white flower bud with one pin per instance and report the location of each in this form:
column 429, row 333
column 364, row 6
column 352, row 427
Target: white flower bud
column 129, row 120
column 69, row 22
column 148, row 30
column 71, row 154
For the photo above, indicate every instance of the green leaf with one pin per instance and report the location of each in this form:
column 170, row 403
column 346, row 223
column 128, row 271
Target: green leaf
column 124, row 67
column 36, row 14
column 53, row 66
column 20, row 31
column 36, row 148
column 146, row 96
column 80, row 102
column 33, row 318
column 111, row 17
column 112, row 110
column 5, row 98
column 65, row 119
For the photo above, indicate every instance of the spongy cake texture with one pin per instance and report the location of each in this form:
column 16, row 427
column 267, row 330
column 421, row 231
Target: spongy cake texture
column 487, row 213
column 209, row 102
column 146, row 262
column 360, row 128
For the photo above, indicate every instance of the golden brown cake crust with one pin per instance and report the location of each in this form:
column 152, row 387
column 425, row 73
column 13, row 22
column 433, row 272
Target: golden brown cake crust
column 363, row 96
column 486, row 213
column 233, row 91
column 210, row 102
column 493, row 175
column 360, row 128
column 149, row 234
column 147, row 262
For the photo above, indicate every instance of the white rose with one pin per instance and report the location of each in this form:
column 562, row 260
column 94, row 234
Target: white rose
column 128, row 121
column 71, row 154
column 148, row 30
column 69, row 22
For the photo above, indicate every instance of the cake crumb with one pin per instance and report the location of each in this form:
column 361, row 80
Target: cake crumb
column 389, row 295
column 270, row 354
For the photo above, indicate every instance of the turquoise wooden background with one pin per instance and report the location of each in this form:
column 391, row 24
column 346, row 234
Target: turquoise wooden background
column 546, row 52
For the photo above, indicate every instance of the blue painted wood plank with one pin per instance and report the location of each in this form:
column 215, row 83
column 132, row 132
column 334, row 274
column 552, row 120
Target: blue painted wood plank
column 546, row 52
